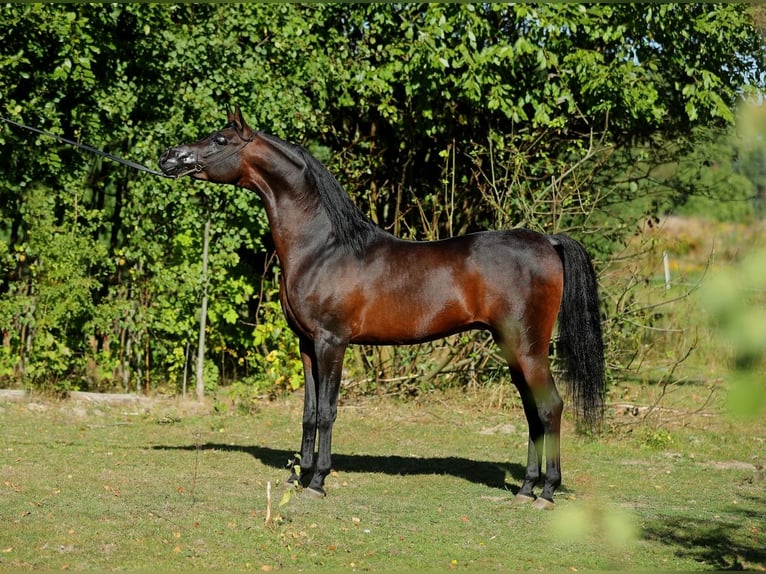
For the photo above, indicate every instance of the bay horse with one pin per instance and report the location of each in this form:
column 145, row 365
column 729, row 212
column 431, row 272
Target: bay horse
column 346, row 281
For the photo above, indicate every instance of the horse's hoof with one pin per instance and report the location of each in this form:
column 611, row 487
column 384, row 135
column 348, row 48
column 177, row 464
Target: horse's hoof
column 523, row 498
column 543, row 504
column 313, row 493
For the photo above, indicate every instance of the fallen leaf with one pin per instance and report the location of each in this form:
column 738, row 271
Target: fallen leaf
column 15, row 487
column 286, row 497
column 114, row 491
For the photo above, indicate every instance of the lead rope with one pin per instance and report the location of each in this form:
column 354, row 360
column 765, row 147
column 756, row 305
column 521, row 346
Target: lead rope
column 126, row 162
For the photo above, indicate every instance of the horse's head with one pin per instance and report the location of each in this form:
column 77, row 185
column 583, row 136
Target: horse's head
column 213, row 158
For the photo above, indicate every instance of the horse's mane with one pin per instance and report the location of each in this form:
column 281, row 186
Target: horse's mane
column 351, row 227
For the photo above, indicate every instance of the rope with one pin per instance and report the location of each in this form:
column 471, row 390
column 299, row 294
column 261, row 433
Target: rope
column 88, row 148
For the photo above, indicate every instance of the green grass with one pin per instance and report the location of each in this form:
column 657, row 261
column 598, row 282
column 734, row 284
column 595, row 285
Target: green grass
column 424, row 484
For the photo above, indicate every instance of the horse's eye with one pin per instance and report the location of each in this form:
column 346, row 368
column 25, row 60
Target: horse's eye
column 219, row 140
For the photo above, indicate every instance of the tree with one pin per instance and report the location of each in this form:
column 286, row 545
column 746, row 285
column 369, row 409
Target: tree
column 545, row 82
column 438, row 119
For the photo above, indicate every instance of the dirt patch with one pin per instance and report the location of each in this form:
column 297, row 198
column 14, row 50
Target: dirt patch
column 732, row 465
column 11, row 395
column 82, row 404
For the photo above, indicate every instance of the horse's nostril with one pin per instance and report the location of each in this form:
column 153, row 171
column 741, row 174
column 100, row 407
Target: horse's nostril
column 169, row 161
column 177, row 161
column 173, row 156
column 167, row 154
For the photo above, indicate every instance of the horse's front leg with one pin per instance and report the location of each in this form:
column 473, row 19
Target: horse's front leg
column 308, row 439
column 329, row 354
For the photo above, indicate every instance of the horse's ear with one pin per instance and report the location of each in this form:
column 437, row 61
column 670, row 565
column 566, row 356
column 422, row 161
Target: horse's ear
column 242, row 126
column 230, row 117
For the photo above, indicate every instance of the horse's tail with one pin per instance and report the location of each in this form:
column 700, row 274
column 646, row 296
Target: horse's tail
column 580, row 345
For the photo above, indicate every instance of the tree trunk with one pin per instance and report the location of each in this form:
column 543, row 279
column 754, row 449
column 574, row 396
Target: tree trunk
column 203, row 314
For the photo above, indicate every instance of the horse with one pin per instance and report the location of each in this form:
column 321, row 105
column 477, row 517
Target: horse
column 346, row 281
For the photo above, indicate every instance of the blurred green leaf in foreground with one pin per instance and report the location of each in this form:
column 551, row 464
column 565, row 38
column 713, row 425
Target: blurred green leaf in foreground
column 735, row 298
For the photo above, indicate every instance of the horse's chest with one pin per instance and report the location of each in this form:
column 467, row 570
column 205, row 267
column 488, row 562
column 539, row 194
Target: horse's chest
column 312, row 306
column 296, row 307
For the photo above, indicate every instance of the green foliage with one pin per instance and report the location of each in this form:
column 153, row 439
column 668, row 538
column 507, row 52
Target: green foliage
column 275, row 356
column 657, row 439
column 579, row 521
column 735, row 298
column 438, row 118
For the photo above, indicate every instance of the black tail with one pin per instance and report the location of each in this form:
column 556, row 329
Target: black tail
column 580, row 344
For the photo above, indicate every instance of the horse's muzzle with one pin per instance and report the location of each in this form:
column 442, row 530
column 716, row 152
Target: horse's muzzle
column 178, row 161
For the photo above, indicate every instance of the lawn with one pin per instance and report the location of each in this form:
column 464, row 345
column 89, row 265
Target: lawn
column 426, row 484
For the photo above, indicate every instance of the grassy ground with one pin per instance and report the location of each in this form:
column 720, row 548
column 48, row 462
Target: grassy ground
column 174, row 486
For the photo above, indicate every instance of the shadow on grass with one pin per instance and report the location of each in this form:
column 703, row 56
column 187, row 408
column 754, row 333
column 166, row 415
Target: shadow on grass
column 735, row 541
column 487, row 473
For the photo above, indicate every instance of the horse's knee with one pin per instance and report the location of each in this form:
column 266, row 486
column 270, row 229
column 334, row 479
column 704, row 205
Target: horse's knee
column 309, row 414
column 326, row 417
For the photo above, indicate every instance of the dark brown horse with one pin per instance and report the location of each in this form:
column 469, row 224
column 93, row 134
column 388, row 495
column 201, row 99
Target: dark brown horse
column 345, row 281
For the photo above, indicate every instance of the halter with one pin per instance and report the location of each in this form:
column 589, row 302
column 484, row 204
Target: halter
column 200, row 167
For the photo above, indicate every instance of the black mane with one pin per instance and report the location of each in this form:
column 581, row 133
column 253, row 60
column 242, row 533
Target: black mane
column 352, row 228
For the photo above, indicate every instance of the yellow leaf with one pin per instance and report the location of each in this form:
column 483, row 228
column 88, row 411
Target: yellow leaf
column 286, row 497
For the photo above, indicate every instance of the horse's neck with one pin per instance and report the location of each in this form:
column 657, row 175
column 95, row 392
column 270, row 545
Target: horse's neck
column 298, row 227
column 276, row 174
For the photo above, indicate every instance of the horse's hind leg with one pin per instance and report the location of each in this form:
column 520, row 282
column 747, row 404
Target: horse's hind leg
column 543, row 407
